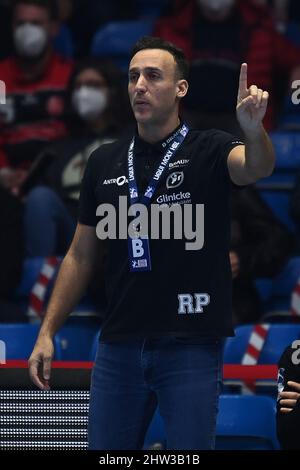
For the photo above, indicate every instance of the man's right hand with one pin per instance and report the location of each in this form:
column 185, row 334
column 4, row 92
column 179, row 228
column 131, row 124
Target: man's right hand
column 288, row 400
column 40, row 362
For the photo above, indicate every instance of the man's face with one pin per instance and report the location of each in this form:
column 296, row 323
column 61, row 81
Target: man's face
column 33, row 14
column 153, row 86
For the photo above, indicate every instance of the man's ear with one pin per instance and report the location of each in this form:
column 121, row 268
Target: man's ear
column 182, row 88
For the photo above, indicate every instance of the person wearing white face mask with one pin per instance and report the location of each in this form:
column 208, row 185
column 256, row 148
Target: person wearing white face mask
column 36, row 79
column 98, row 111
column 89, row 102
column 34, row 26
column 30, row 41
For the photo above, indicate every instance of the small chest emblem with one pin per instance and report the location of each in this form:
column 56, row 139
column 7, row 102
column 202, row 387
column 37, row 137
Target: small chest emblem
column 175, row 179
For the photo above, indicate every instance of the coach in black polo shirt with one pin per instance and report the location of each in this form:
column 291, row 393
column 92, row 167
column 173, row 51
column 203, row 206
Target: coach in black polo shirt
column 169, row 294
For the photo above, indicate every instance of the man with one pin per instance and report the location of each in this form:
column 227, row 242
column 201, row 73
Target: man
column 35, row 79
column 161, row 341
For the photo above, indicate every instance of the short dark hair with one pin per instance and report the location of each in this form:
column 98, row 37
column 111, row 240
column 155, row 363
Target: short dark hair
column 49, row 5
column 150, row 42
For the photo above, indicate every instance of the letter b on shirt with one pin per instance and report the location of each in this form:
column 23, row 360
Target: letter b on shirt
column 137, row 248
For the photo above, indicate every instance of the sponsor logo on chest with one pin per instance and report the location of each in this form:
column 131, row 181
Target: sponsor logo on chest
column 119, row 181
column 179, row 163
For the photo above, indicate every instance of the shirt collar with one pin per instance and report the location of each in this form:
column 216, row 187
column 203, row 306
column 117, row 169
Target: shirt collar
column 142, row 147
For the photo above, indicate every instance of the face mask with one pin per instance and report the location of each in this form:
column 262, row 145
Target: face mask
column 30, row 40
column 216, row 5
column 89, row 102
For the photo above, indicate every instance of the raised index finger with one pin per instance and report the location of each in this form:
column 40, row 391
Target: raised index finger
column 243, row 80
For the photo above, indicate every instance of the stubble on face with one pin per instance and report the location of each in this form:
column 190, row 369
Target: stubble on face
column 152, row 84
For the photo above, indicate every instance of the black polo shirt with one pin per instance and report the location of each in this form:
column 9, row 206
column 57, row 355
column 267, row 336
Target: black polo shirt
column 147, row 304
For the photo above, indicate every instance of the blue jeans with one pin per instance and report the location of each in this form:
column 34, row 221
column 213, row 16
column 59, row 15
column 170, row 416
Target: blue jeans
column 48, row 225
column 182, row 376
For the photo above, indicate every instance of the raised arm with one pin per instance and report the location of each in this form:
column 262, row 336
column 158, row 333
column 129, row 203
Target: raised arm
column 256, row 159
column 73, row 278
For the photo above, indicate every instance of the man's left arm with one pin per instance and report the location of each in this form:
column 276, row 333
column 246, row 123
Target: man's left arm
column 256, row 159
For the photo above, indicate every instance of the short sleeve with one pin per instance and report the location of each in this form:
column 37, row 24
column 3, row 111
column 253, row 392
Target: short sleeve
column 227, row 142
column 224, row 142
column 87, row 201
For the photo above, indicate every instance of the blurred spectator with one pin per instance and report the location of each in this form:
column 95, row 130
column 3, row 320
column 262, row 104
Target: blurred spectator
column 217, row 35
column 284, row 12
column 280, row 14
column 11, row 255
column 35, row 81
column 260, row 246
column 288, row 401
column 99, row 112
column 279, row 10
